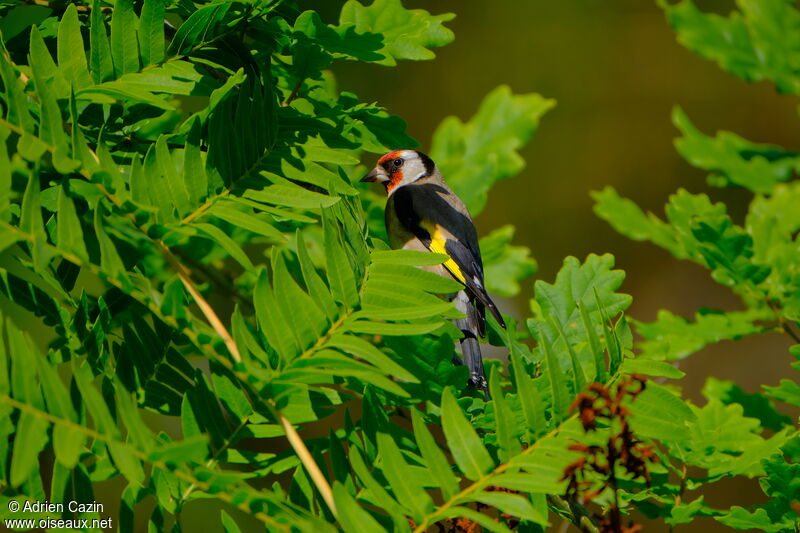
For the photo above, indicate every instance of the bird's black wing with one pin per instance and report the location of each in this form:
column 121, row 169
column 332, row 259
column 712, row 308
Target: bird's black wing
column 465, row 263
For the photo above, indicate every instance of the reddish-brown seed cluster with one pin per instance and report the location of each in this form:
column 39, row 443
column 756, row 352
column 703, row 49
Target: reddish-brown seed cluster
column 622, row 449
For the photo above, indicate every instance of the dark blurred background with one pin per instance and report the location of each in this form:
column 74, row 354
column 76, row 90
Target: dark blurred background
column 616, row 70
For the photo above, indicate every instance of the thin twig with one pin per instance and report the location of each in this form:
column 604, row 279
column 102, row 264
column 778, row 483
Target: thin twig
column 782, row 321
column 307, row 459
column 293, row 94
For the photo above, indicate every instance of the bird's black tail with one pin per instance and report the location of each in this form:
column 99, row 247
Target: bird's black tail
column 470, row 348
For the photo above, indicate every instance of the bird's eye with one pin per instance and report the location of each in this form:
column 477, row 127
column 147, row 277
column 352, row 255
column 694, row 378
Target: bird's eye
column 397, row 162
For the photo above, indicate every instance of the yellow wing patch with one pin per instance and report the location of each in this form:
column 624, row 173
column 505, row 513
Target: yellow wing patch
column 438, row 241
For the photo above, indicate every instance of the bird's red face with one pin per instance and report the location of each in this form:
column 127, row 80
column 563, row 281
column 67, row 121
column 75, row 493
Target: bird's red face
column 389, row 169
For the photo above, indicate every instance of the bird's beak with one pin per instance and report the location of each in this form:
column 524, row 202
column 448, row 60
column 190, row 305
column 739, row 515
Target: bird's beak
column 377, row 174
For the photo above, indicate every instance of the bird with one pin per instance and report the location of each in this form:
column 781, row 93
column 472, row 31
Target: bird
column 423, row 214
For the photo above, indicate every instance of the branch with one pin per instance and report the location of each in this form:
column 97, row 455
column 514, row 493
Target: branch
column 91, row 433
column 306, row 458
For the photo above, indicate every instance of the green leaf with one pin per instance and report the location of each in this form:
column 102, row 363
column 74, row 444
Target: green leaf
column 68, row 438
column 408, row 493
column 30, row 222
column 658, row 414
column 20, row 18
column 102, row 65
column 406, row 257
column 313, row 281
column 185, row 451
column 629, row 220
column 733, row 160
column 220, row 237
column 583, row 294
column 124, row 46
column 434, row 457
column 341, row 279
column 505, row 425
column 672, row 338
column 307, row 321
column 51, row 122
column 94, row 402
column 755, row 405
column 532, row 406
column 594, row 344
column 649, row 367
column 271, row 319
column 474, row 155
column 505, row 265
column 126, row 462
column 741, row 518
column 353, row 518
column 193, row 165
column 151, row 32
column 511, row 504
column 199, row 28
column 258, row 224
column 407, row 33
column 725, row 442
column 369, row 353
column 70, row 232
column 465, row 445
column 316, row 39
column 175, row 183
column 403, row 277
column 388, row 328
column 291, row 196
column 376, row 492
column 29, row 439
column 228, row 523
column 71, row 55
column 558, row 385
column 110, row 261
column 579, row 283
column 788, row 391
column 46, row 68
column 756, row 43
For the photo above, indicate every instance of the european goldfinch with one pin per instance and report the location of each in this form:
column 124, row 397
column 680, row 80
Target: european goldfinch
column 423, row 214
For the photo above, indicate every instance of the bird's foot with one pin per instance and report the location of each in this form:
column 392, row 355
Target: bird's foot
column 479, row 382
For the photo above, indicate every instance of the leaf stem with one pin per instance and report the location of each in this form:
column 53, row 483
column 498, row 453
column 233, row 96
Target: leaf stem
column 482, row 481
